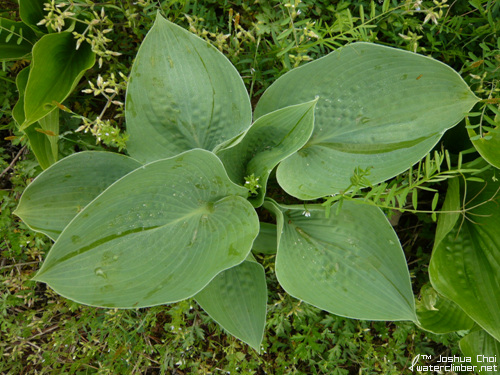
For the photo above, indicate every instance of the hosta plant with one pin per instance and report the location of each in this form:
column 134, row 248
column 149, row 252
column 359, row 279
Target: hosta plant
column 176, row 218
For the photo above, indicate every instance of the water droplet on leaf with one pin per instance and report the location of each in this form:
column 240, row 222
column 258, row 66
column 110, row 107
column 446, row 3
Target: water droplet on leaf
column 100, row 273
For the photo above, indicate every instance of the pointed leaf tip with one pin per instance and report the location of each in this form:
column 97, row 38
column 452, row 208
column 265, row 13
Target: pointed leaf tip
column 236, row 299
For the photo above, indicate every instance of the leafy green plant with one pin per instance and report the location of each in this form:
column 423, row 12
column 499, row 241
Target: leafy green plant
column 464, row 263
column 177, row 218
column 58, row 62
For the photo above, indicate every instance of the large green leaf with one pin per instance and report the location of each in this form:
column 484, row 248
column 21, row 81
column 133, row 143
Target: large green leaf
column 56, row 196
column 56, row 68
column 182, row 94
column 440, row 315
column 236, row 299
column 271, row 139
column 488, row 146
column 483, row 350
column 16, row 40
column 350, row 264
column 465, row 263
column 157, row 235
column 378, row 108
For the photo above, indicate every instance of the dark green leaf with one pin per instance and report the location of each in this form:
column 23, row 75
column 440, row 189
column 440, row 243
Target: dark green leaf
column 465, row 263
column 56, row 69
column 43, row 140
column 488, row 148
column 31, row 12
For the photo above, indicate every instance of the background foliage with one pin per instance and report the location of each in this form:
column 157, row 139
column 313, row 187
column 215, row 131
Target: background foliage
column 41, row 332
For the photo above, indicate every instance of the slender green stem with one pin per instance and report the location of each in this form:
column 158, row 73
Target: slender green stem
column 7, row 79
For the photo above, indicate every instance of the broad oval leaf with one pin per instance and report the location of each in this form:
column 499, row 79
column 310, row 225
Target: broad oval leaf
column 236, row 299
column 378, row 108
column 55, row 197
column 56, row 68
column 465, row 262
column 350, row 264
column 16, row 40
column 182, row 94
column 440, row 315
column 158, row 235
column 483, row 350
column 271, row 139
